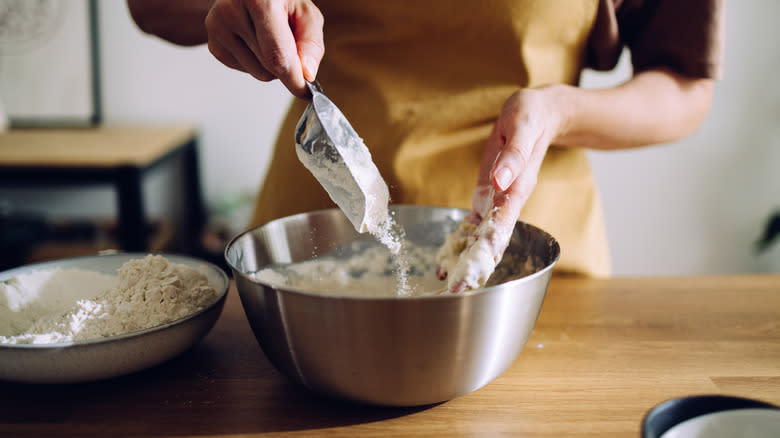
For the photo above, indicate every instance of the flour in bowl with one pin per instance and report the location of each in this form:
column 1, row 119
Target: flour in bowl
column 367, row 271
column 63, row 305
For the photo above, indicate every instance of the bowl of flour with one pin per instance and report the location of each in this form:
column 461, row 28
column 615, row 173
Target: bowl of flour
column 340, row 313
column 96, row 317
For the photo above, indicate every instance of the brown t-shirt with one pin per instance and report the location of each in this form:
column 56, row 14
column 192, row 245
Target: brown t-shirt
column 685, row 36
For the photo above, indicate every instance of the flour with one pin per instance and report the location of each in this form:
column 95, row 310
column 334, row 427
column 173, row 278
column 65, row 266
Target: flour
column 28, row 297
column 341, row 162
column 369, row 272
column 471, row 253
column 65, row 305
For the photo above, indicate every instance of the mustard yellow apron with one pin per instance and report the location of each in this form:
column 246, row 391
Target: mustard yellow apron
column 423, row 82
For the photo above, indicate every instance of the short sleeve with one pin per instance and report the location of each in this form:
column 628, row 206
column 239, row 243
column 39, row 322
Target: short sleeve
column 685, row 36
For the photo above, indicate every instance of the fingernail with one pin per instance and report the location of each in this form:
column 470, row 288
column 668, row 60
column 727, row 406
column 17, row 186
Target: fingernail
column 309, row 68
column 503, row 178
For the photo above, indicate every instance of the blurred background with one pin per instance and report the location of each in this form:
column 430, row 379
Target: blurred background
column 698, row 206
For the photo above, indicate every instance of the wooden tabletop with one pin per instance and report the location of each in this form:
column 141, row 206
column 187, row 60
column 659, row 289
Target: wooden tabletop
column 102, row 146
column 603, row 353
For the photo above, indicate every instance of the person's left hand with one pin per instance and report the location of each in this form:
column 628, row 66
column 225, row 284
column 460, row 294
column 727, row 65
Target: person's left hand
column 529, row 121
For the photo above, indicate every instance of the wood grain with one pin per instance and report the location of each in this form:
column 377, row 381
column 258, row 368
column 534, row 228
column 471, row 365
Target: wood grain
column 104, row 146
column 602, row 354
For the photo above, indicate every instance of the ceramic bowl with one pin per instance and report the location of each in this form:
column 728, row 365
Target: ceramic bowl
column 96, row 359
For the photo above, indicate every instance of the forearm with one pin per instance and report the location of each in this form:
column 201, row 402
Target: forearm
column 655, row 106
column 178, row 21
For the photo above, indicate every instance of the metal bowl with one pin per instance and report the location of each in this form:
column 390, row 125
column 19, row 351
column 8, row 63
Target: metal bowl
column 387, row 351
column 96, row 359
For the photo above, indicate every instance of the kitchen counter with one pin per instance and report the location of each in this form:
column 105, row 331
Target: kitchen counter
column 602, row 354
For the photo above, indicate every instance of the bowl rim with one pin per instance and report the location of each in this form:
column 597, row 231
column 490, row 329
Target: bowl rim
column 453, row 296
column 221, row 295
column 672, row 412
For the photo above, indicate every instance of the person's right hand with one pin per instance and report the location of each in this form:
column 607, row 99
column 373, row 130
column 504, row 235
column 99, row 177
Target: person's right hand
column 269, row 39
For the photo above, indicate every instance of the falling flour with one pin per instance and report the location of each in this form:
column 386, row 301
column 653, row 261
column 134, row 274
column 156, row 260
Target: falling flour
column 63, row 305
column 342, row 164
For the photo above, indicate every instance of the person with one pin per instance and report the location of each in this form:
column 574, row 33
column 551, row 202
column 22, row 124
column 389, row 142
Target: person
column 452, row 95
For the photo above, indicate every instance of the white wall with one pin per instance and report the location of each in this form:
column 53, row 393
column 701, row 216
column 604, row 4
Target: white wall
column 695, row 206
column 698, row 205
column 146, row 79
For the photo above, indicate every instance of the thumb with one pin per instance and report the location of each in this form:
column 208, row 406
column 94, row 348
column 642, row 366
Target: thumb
column 514, row 156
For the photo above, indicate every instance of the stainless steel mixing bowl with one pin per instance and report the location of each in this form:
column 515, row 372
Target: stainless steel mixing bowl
column 387, row 351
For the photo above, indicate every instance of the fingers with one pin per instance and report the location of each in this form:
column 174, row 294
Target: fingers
column 482, row 200
column 489, row 155
column 508, row 204
column 458, row 287
column 491, row 238
column 277, row 49
column 223, row 55
column 268, row 39
column 229, row 38
column 238, row 57
column 520, row 144
column 508, row 174
column 306, row 23
column 476, row 262
column 473, row 218
column 449, row 253
column 441, row 274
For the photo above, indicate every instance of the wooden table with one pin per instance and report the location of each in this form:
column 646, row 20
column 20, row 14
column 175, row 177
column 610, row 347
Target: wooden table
column 116, row 155
column 603, row 353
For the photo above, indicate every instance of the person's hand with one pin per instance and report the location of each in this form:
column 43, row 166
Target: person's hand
column 529, row 121
column 269, row 39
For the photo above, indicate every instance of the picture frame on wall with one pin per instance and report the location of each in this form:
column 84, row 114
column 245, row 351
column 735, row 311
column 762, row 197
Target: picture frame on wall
column 49, row 75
